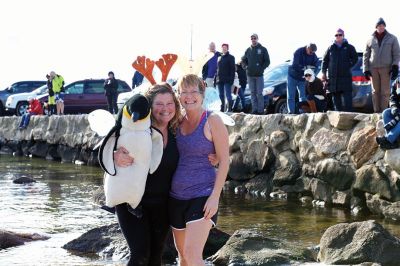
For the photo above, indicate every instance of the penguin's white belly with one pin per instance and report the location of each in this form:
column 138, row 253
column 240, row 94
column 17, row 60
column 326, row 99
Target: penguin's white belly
column 129, row 183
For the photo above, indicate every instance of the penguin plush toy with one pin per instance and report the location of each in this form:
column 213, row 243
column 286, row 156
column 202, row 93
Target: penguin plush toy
column 145, row 144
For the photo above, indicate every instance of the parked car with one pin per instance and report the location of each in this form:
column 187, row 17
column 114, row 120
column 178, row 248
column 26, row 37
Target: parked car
column 275, row 88
column 17, row 87
column 84, row 96
column 18, row 103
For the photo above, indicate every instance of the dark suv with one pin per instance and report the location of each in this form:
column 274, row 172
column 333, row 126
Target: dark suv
column 275, row 88
column 17, row 87
column 84, row 96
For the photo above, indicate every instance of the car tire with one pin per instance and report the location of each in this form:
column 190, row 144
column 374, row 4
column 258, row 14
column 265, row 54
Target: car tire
column 281, row 107
column 21, row 108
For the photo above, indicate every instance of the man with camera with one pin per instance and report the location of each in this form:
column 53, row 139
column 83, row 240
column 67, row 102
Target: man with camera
column 391, row 118
column 111, row 92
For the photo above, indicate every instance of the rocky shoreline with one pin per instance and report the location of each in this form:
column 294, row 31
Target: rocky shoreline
column 325, row 158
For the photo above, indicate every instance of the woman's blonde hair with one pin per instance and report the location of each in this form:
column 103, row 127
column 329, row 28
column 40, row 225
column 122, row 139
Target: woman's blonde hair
column 191, row 80
column 163, row 88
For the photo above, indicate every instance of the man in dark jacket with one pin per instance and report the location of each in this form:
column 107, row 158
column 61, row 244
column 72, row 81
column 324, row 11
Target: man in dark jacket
column 111, row 92
column 391, row 118
column 338, row 60
column 303, row 58
column 225, row 77
column 210, row 68
column 256, row 59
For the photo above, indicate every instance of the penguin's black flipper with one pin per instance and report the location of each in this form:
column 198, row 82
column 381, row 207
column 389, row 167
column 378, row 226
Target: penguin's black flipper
column 106, row 151
column 109, row 209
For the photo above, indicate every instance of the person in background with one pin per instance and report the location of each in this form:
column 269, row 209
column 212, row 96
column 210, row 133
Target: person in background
column 381, row 63
column 256, row 59
column 225, row 77
column 316, row 97
column 196, row 185
column 111, row 92
column 57, row 83
column 51, row 103
column 391, row 118
column 338, row 60
column 241, row 73
column 303, row 58
column 210, row 68
column 137, row 79
column 35, row 108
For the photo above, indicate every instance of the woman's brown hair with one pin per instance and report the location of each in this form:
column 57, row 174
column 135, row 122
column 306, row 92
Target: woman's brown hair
column 163, row 88
column 191, row 80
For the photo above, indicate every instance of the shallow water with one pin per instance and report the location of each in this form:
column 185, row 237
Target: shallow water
column 59, row 205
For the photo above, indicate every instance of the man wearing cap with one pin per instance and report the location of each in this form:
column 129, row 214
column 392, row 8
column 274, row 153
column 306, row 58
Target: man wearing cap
column 303, row 58
column 225, row 77
column 381, row 63
column 111, row 92
column 338, row 60
column 210, row 68
column 256, row 60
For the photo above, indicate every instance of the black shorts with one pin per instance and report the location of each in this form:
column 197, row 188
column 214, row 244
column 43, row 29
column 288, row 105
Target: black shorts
column 182, row 212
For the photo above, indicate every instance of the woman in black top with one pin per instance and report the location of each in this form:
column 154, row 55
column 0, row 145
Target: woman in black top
column 146, row 235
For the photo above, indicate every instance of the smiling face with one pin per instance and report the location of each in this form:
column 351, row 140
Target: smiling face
column 381, row 28
column 163, row 108
column 191, row 98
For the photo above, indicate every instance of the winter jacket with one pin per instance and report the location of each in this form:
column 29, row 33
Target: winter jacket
column 315, row 88
column 339, row 61
column 302, row 60
column 394, row 100
column 256, row 59
column 35, row 107
column 226, row 69
column 57, row 83
column 210, row 68
column 385, row 55
column 241, row 75
column 110, row 86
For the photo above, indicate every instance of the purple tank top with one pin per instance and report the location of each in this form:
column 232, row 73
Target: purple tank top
column 194, row 176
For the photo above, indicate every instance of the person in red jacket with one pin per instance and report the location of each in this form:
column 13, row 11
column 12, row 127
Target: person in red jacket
column 35, row 108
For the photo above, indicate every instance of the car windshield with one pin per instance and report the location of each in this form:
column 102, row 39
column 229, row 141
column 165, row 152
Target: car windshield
column 276, row 74
column 40, row 90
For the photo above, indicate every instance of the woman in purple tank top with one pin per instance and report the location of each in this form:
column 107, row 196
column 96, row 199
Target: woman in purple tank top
column 196, row 185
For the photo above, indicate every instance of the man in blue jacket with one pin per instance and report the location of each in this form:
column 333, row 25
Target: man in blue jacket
column 304, row 58
column 256, row 59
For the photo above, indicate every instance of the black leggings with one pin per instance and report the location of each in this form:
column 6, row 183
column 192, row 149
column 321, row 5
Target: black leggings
column 112, row 102
column 145, row 235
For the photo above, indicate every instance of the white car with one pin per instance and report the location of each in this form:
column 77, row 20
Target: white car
column 18, row 103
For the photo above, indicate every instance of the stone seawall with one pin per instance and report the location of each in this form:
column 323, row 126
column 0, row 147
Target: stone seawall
column 331, row 158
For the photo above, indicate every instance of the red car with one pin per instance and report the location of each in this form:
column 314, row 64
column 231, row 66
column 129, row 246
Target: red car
column 84, row 96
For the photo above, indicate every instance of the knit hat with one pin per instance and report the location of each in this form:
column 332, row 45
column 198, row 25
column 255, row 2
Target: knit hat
column 380, row 22
column 254, row 35
column 340, row 31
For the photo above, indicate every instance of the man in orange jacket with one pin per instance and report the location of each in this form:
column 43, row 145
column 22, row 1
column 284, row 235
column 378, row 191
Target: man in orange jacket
column 35, row 108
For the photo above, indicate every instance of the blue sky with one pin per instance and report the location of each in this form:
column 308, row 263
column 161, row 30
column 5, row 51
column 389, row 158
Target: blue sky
column 87, row 38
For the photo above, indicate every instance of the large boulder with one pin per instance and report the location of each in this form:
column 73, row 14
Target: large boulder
column 371, row 179
column 108, row 241
column 248, row 247
column 342, row 120
column 287, row 169
column 327, row 143
column 354, row 243
column 390, row 210
column 392, row 158
column 362, row 145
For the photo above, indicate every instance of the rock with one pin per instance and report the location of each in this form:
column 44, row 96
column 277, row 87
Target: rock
column 259, row 156
column 321, row 190
column 261, row 182
column 24, row 180
column 238, row 170
column 287, row 169
column 362, row 145
column 327, row 143
column 39, row 149
column 305, row 147
column 277, row 138
column 392, row 158
column 337, row 175
column 370, row 179
column 353, row 243
column 99, row 197
column 248, row 247
column 11, row 239
column 108, row 242
column 342, row 120
column 306, row 200
column 383, row 207
column 341, row 198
